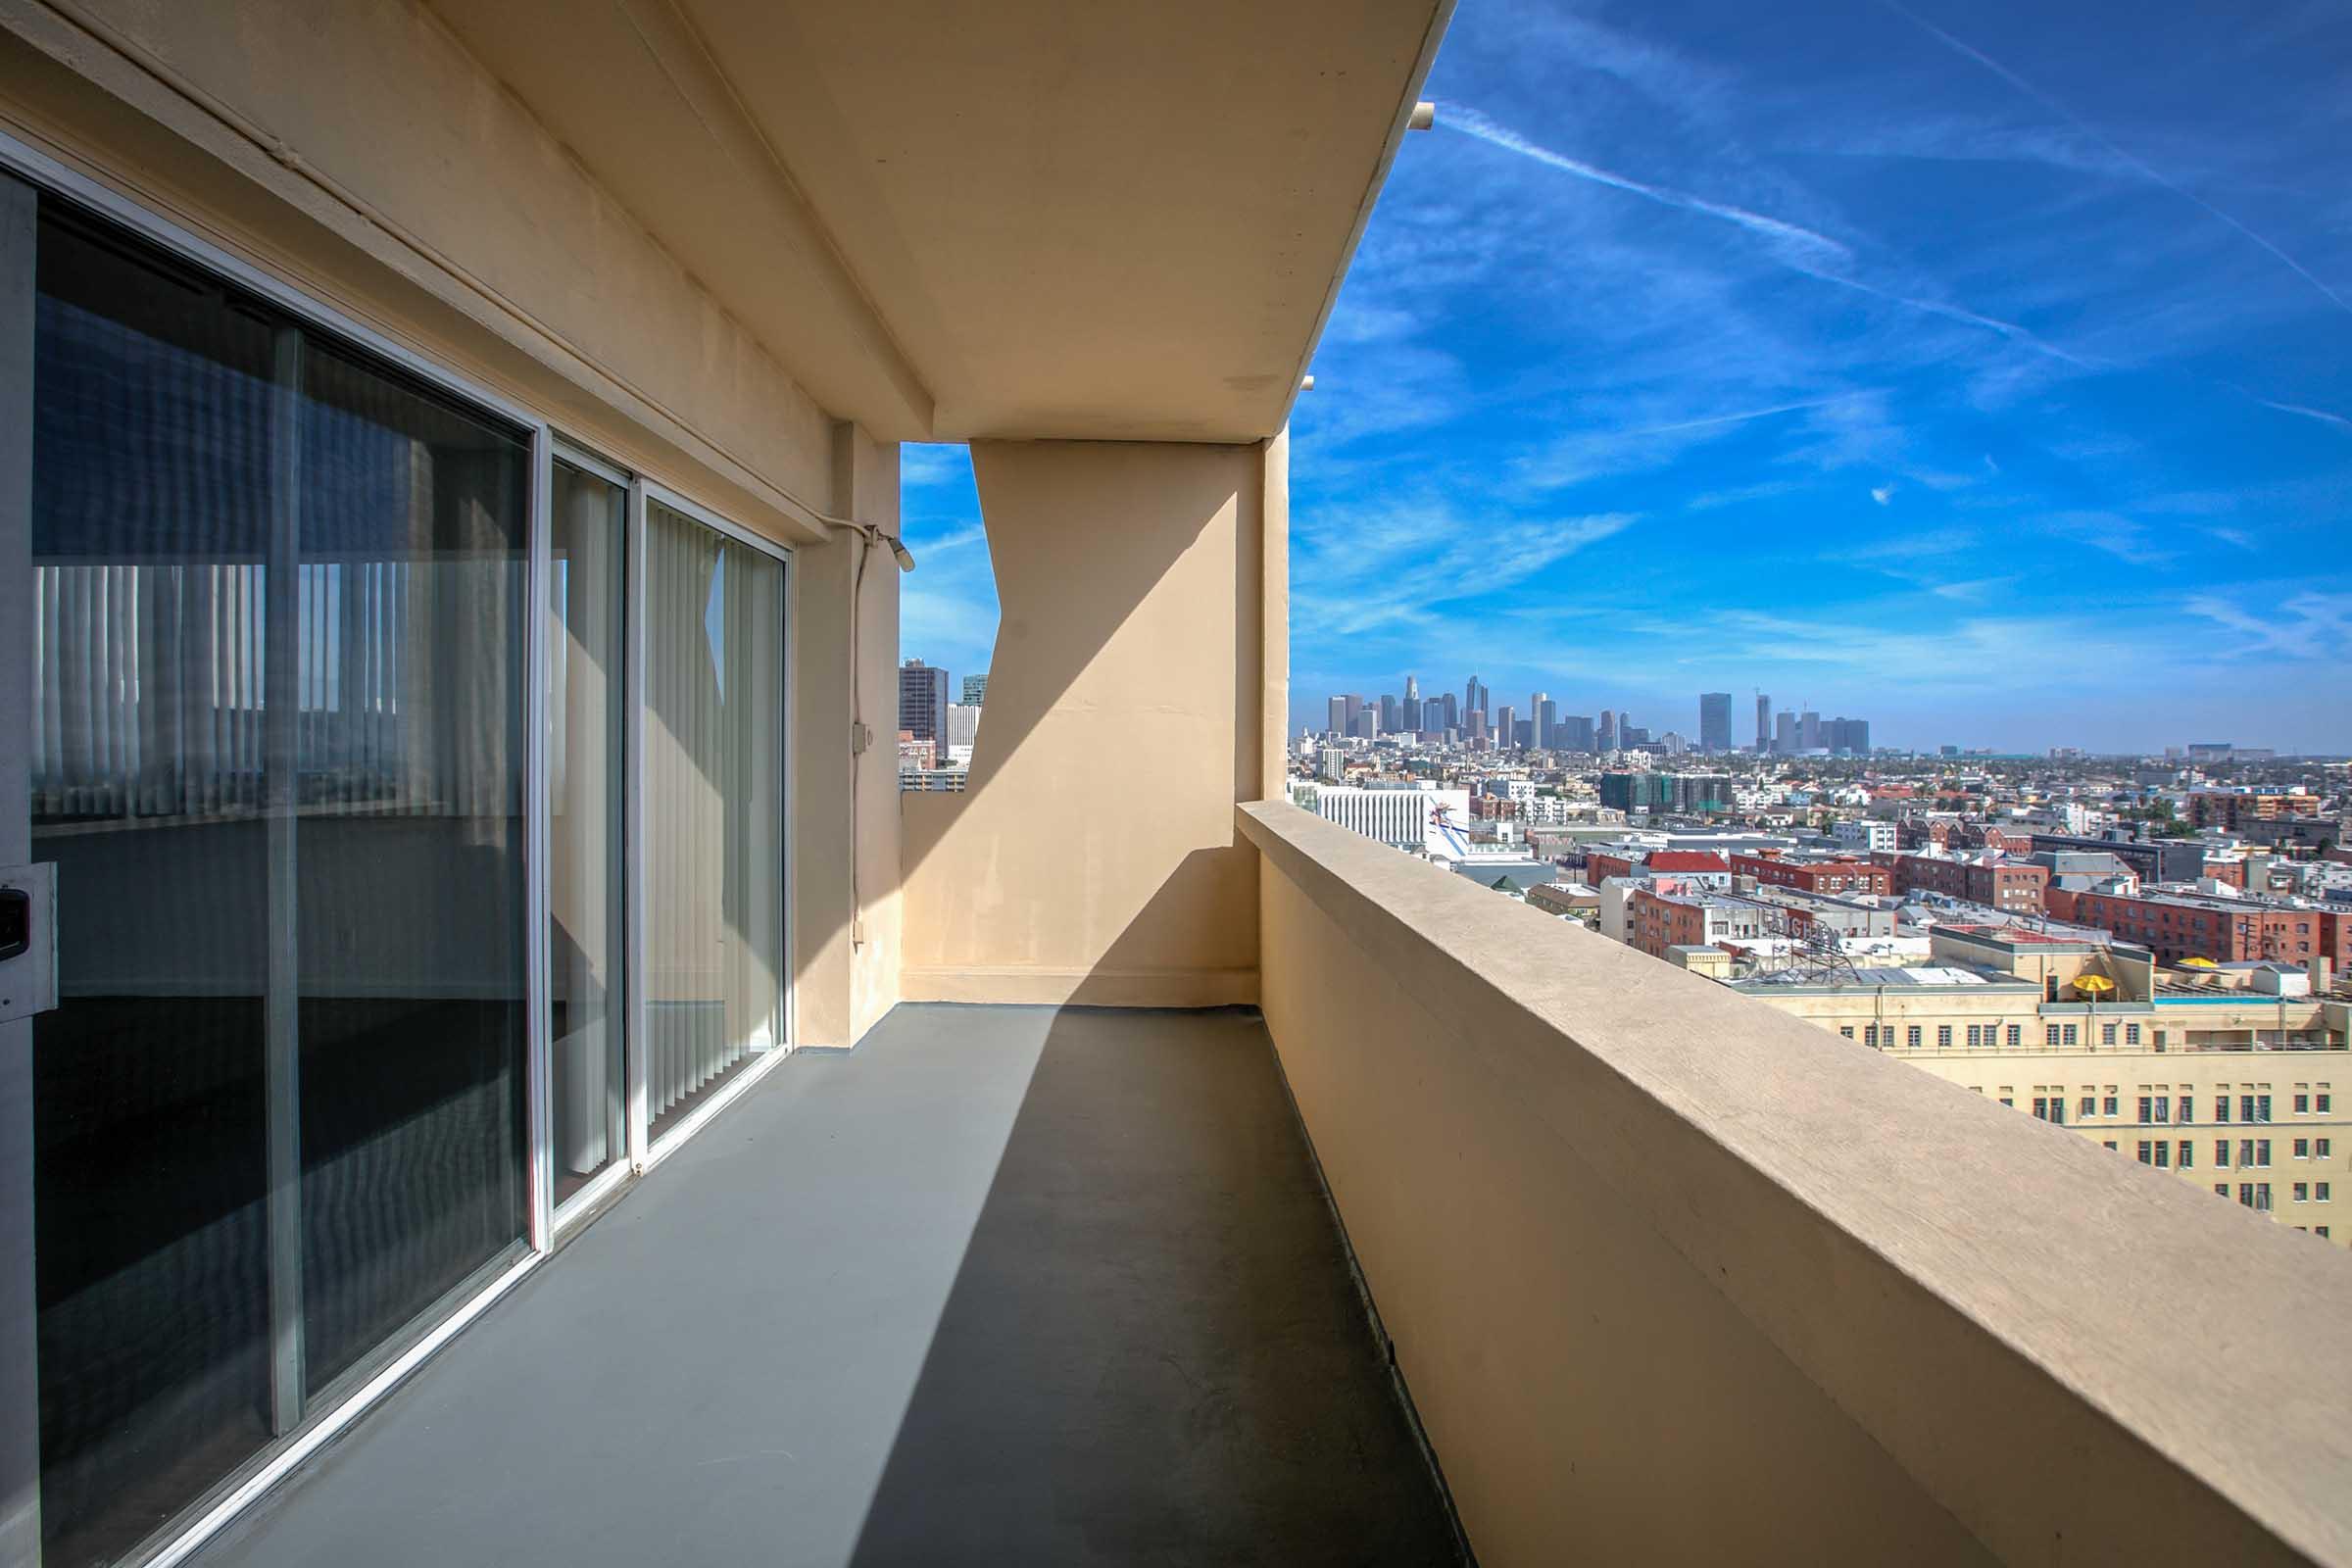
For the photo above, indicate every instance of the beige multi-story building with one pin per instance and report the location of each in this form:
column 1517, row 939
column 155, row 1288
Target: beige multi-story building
column 2202, row 1072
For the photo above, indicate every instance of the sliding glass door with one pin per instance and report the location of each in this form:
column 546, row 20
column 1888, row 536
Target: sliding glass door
column 713, row 807
column 277, row 756
column 383, row 931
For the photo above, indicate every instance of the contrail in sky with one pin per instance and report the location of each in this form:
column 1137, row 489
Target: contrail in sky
column 2146, row 170
column 1473, row 123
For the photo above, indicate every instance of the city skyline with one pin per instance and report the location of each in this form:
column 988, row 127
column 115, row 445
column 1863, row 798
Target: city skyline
column 1947, row 361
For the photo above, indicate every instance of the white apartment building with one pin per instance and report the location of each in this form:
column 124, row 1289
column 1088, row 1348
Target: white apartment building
column 1400, row 818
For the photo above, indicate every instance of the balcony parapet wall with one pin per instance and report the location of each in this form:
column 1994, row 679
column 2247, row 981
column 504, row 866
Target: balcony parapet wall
column 1672, row 1277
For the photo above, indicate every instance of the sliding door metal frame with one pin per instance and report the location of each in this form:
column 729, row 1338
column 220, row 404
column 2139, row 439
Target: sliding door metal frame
column 538, row 869
column 584, row 1204
column 20, row 1311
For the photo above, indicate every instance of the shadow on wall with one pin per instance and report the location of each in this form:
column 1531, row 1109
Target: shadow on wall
column 1154, row 1350
column 1093, row 853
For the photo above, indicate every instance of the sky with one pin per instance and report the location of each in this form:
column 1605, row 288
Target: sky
column 1982, row 371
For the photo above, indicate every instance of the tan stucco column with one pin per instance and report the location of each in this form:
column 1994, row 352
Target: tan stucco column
column 1094, row 858
column 845, row 868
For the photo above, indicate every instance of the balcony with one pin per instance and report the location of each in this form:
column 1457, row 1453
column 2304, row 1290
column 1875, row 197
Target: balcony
column 1005, row 1284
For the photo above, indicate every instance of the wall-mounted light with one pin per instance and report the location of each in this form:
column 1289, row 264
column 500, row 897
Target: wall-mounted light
column 1307, row 383
column 898, row 548
column 1425, row 115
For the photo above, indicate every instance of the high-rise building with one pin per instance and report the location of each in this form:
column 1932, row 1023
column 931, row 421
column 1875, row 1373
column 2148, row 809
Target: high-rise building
column 1505, row 724
column 1784, row 733
column 1360, row 727
column 1451, row 712
column 1390, row 716
column 923, row 701
column 1606, row 735
column 1715, row 721
column 1575, row 733
column 975, row 689
column 1336, row 716
column 1409, row 710
column 1848, row 735
column 1763, row 723
column 1474, row 696
column 1547, row 723
column 1808, row 730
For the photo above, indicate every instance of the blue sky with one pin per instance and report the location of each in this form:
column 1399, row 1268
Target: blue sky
column 1985, row 371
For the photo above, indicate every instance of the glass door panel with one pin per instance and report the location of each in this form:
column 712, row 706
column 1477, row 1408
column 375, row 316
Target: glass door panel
column 587, row 719
column 410, row 850
column 713, row 773
column 152, row 487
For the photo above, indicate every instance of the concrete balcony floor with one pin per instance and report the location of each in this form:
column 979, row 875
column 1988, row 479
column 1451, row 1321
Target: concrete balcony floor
column 1004, row 1285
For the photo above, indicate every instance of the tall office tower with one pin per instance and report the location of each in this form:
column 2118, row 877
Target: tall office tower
column 1451, row 710
column 1763, row 723
column 1783, row 732
column 975, row 689
column 1474, row 725
column 1475, row 696
column 1575, row 733
column 1506, row 724
column 1356, row 706
column 1360, row 727
column 1715, row 721
column 1412, row 690
column 1409, row 711
column 1851, row 736
column 1337, row 723
column 1548, row 723
column 1606, row 737
column 1391, row 716
column 1808, row 726
column 923, row 701
column 1523, row 733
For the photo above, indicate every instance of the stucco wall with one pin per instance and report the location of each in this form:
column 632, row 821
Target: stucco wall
column 1675, row 1278
column 359, row 152
column 1095, row 855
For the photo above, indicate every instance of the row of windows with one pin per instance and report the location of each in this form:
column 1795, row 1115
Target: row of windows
column 2253, row 1154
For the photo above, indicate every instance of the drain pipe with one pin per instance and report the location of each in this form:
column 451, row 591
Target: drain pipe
column 860, row 736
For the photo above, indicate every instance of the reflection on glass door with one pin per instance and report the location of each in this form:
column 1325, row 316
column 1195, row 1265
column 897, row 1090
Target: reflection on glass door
column 277, row 758
column 586, row 727
column 714, row 779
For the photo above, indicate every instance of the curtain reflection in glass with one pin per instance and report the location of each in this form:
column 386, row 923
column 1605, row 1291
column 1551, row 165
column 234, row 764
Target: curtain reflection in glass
column 714, row 797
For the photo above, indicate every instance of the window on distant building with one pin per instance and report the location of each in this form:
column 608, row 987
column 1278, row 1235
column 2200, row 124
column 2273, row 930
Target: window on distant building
column 2067, row 1035
column 2301, row 1193
column 2049, row 1032
column 2111, row 1104
column 2220, row 1189
column 2147, row 1107
column 2319, row 1192
column 1846, row 1030
column 2106, row 1034
column 1943, row 1035
column 1911, row 1037
column 2187, row 1106
column 2221, row 1152
column 2302, row 1104
column 2302, row 1149
column 2262, row 1152
column 2147, row 1152
column 2188, row 1154
column 2262, row 1195
column 2016, row 1035
column 2131, row 1034
column 2088, row 1106
column 2320, row 1102
column 2322, row 1147
column 2320, row 1231
column 2221, row 1108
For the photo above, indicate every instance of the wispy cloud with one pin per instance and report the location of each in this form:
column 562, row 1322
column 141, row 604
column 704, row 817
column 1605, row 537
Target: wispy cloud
column 1883, row 494
column 2302, row 626
column 2139, row 164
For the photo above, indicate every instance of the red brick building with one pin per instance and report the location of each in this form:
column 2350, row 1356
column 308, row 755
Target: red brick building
column 1814, row 876
column 2018, row 885
column 2175, row 926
